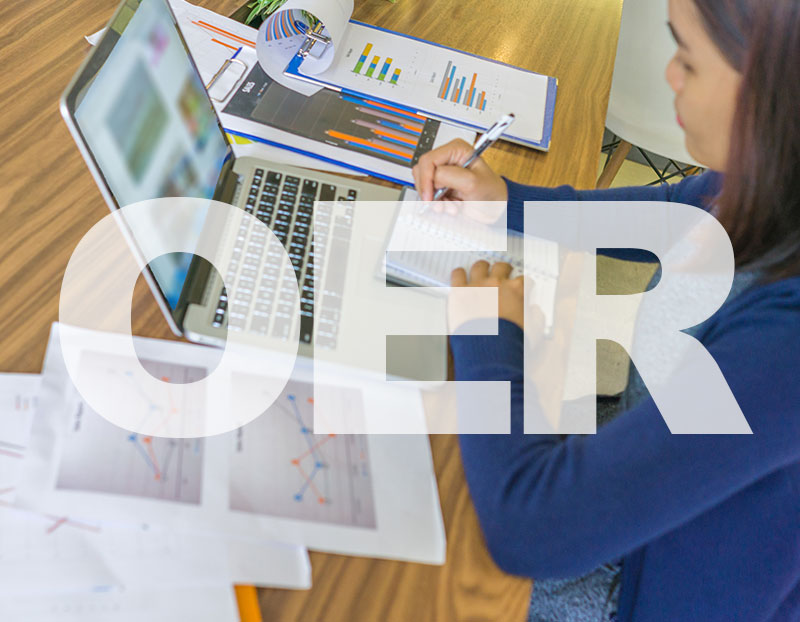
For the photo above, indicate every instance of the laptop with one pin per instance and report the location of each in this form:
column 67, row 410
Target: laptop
column 143, row 121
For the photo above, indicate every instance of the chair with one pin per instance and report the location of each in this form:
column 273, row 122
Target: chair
column 640, row 109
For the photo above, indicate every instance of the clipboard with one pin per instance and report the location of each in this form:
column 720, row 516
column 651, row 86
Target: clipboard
column 547, row 87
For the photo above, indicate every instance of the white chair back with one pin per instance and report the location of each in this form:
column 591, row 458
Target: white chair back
column 640, row 108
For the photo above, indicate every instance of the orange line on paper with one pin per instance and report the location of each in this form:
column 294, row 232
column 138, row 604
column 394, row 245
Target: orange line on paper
column 314, row 446
column 148, row 441
column 311, row 485
column 400, row 110
column 224, row 33
column 230, row 47
column 366, row 143
column 396, row 137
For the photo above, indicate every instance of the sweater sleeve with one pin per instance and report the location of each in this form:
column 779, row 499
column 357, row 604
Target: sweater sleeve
column 556, row 507
column 698, row 190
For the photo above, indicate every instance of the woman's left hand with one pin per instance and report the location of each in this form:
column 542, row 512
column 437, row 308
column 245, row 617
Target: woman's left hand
column 510, row 292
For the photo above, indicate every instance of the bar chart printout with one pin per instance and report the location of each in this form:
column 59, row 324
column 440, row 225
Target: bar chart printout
column 354, row 123
column 372, row 66
column 458, row 90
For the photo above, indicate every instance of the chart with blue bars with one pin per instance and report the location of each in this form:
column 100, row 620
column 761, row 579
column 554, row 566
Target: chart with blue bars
column 355, row 123
column 373, row 65
column 454, row 88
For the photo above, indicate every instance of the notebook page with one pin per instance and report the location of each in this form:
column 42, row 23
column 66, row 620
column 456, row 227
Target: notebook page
column 465, row 241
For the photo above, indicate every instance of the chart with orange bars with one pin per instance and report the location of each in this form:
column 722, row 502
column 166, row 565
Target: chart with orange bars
column 357, row 124
column 279, row 467
column 440, row 82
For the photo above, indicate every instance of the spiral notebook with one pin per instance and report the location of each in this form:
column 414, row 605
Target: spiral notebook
column 441, row 243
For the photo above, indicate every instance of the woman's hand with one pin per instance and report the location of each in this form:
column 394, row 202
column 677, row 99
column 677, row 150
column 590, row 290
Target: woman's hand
column 510, row 292
column 441, row 168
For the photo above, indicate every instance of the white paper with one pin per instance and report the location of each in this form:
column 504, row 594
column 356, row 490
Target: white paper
column 407, row 520
column 266, row 563
column 18, row 395
column 461, row 241
column 198, row 604
column 40, row 551
column 212, row 38
column 49, row 552
column 437, row 81
column 94, row 38
column 279, row 40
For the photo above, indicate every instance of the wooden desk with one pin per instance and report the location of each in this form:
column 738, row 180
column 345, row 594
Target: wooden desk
column 48, row 201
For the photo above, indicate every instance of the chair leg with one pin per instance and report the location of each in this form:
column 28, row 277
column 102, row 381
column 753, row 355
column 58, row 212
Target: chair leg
column 613, row 165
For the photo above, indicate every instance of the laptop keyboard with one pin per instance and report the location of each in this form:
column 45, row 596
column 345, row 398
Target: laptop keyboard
column 264, row 298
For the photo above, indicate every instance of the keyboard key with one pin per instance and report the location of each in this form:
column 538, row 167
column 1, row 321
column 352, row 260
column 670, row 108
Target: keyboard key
column 306, row 328
column 327, row 192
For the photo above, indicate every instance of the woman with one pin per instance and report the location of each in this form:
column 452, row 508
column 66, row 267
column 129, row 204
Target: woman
column 688, row 527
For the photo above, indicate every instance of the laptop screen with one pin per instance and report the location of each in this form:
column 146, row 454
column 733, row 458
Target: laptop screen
column 149, row 124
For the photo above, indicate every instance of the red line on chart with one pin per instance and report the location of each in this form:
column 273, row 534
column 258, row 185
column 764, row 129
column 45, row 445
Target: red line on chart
column 314, row 446
column 148, row 442
column 58, row 520
column 56, row 525
column 11, row 454
column 310, row 483
column 63, row 520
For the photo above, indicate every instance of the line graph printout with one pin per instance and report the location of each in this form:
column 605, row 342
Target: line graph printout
column 279, row 467
column 379, row 498
column 101, row 457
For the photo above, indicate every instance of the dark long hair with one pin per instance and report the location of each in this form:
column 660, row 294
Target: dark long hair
column 759, row 204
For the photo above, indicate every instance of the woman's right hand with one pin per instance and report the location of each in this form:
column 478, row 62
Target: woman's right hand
column 441, row 168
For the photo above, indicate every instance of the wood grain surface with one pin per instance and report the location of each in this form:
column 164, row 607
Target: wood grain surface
column 48, row 201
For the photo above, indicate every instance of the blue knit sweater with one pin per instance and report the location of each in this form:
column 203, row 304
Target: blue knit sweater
column 707, row 526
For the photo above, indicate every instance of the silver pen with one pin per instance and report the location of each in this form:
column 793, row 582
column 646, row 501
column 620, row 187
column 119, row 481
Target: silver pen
column 486, row 140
